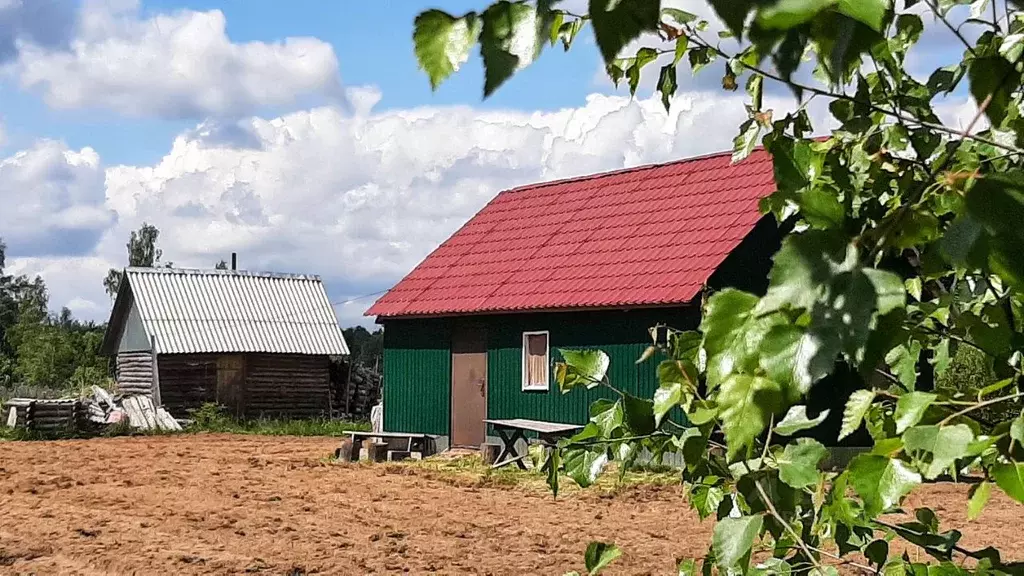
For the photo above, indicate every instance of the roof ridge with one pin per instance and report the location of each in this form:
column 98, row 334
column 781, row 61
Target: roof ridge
column 618, row 171
column 217, row 272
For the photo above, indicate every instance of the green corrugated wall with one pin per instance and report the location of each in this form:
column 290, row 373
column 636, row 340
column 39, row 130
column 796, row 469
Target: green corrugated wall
column 417, row 376
column 417, row 364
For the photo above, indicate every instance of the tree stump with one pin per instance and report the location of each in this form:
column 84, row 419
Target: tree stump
column 375, row 451
column 489, row 453
column 345, row 453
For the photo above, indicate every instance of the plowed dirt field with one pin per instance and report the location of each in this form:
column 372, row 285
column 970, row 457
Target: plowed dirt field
column 221, row 504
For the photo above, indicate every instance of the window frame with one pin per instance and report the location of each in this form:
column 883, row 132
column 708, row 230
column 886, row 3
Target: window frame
column 525, row 385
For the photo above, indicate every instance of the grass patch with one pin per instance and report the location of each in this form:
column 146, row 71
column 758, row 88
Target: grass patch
column 470, row 471
column 212, row 418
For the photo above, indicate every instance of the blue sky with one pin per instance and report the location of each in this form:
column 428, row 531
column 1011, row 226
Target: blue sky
column 373, row 43
column 300, row 135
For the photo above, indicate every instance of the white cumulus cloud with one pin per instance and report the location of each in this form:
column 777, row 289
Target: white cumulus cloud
column 176, row 65
column 53, row 200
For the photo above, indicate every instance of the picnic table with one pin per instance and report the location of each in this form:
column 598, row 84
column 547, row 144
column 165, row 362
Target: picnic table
column 511, row 431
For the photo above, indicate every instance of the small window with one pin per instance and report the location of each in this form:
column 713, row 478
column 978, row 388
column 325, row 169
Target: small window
column 535, row 361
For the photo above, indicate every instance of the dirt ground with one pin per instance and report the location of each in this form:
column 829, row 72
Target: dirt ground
column 219, row 504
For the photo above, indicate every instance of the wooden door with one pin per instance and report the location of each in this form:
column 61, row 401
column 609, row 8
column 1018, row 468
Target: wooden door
column 469, row 386
column 230, row 383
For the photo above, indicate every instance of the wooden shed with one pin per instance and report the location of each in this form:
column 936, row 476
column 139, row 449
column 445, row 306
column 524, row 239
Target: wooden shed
column 472, row 332
column 259, row 344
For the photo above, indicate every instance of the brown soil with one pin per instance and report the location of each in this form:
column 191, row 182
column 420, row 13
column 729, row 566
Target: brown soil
column 219, row 504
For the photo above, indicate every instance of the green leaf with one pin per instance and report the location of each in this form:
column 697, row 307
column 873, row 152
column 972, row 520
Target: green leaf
column 786, row 14
column 667, row 84
column 796, row 420
column 803, row 265
column 512, row 37
column 993, row 76
column 733, row 539
column 903, row 361
column 755, row 88
column 1012, row 47
column 889, row 290
column 619, row 23
column 870, row 12
column 581, row 368
column 821, row 209
column 599, row 555
column 945, row 79
column 1010, row 479
column 666, row 397
column 568, row 30
column 686, row 346
column 442, row 42
column 747, row 404
column 995, row 387
column 681, row 44
column 1017, row 429
column 681, row 17
column 882, row 482
column 745, row 142
column 798, row 465
column 700, row 57
column 997, row 203
column 706, row 499
column 639, row 414
column 910, row 408
column 732, row 335
column 980, row 494
column 913, row 287
column 877, row 552
column 607, row 417
column 551, row 467
column 856, row 407
column 584, row 465
column 945, row 444
column 795, row 357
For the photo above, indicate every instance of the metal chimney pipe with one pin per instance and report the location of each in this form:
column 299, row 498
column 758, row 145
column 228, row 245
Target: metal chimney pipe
column 234, row 261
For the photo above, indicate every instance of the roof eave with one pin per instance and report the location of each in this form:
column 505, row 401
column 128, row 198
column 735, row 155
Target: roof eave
column 381, row 318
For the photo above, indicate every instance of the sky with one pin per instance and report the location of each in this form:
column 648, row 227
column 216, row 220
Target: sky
column 302, row 136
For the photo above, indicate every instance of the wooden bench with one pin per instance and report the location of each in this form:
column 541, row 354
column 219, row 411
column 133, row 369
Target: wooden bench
column 414, row 442
column 511, row 431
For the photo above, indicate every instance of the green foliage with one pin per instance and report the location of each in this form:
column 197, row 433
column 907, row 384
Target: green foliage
column 891, row 203
column 142, row 252
column 366, row 348
column 43, row 350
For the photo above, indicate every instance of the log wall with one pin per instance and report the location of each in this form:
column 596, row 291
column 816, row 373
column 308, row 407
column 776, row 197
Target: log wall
column 187, row 381
column 287, row 386
column 134, row 372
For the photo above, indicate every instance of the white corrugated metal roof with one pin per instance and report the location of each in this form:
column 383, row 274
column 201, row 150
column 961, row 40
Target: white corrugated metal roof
column 204, row 311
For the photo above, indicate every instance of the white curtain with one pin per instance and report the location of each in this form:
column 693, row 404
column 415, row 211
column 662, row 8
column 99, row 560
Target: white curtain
column 536, row 359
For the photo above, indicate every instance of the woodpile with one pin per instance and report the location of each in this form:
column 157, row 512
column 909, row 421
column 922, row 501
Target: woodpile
column 49, row 416
column 134, row 372
column 355, row 390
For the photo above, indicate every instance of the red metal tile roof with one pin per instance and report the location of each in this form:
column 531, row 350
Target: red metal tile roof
column 639, row 237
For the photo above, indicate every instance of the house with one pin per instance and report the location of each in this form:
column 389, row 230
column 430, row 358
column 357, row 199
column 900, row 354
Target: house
column 257, row 343
column 591, row 262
